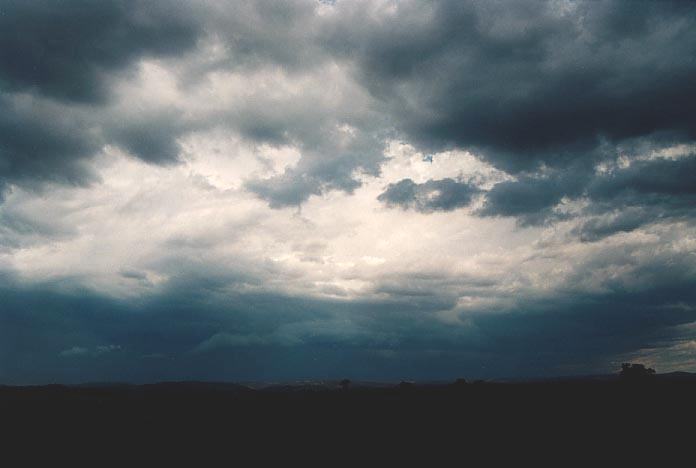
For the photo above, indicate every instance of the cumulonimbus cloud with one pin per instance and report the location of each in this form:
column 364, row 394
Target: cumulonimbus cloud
column 153, row 157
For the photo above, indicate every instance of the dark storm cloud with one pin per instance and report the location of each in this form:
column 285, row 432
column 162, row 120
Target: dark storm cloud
column 545, row 91
column 658, row 181
column 530, row 198
column 644, row 193
column 526, row 83
column 56, row 62
column 620, row 199
column 44, row 141
column 545, row 94
column 52, row 332
column 627, row 220
column 73, row 52
column 65, row 49
column 152, row 138
column 433, row 195
column 588, row 329
column 632, row 310
column 523, row 84
column 624, row 198
column 195, row 333
column 41, row 143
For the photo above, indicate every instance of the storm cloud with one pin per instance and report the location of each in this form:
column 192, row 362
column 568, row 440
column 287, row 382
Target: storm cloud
column 642, row 191
column 66, row 50
column 529, row 83
column 372, row 189
column 433, row 195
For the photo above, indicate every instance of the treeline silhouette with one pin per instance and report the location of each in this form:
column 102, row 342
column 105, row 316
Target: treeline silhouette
column 634, row 408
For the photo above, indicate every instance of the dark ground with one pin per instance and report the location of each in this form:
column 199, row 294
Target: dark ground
column 592, row 421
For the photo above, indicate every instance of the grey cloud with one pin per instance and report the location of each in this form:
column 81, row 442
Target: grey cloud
column 72, row 55
column 21, row 227
column 65, row 50
column 134, row 274
column 43, row 143
column 433, row 195
column 525, row 83
column 530, row 198
column 77, row 351
column 74, row 351
column 621, row 199
column 269, row 336
column 661, row 181
column 57, row 61
column 288, row 189
column 646, row 191
column 328, row 163
column 229, row 340
column 152, row 138
column 106, row 349
column 540, row 93
column 599, row 227
column 267, row 31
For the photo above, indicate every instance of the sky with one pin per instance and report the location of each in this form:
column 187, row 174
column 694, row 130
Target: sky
column 275, row 190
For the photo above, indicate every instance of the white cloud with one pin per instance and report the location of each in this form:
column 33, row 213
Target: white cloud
column 143, row 225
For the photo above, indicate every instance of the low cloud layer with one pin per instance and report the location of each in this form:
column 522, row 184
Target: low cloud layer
column 371, row 189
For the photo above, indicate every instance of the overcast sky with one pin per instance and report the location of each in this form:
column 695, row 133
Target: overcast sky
column 384, row 190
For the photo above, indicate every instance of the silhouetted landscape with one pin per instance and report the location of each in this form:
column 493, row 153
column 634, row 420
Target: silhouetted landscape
column 468, row 225
column 603, row 412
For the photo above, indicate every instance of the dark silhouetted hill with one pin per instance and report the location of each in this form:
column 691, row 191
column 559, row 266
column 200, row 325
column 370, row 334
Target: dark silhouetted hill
column 503, row 422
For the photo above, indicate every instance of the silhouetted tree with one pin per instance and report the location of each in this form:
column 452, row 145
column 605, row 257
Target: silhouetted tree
column 459, row 383
column 344, row 384
column 635, row 372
